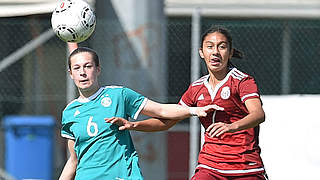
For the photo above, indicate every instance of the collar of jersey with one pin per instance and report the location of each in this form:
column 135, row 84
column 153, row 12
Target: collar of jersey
column 213, row 92
column 84, row 100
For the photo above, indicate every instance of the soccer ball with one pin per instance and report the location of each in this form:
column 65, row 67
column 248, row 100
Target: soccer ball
column 73, row 20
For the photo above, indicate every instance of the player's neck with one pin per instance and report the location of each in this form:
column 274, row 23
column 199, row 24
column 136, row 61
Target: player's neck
column 216, row 77
column 86, row 93
column 213, row 82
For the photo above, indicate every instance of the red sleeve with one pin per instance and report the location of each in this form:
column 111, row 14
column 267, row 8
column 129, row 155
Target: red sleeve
column 187, row 98
column 248, row 89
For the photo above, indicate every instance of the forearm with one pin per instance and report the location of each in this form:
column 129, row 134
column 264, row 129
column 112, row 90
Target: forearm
column 166, row 111
column 255, row 117
column 250, row 121
column 69, row 170
column 72, row 46
column 153, row 124
column 175, row 111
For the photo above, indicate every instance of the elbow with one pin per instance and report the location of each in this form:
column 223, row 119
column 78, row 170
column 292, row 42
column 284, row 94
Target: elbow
column 161, row 113
column 168, row 124
column 158, row 129
column 73, row 160
column 259, row 117
column 165, row 128
column 262, row 117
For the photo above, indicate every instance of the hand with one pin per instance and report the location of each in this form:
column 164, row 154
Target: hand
column 72, row 46
column 121, row 122
column 203, row 111
column 217, row 129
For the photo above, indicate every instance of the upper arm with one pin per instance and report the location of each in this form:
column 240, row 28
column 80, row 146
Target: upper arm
column 254, row 106
column 249, row 94
column 165, row 111
column 133, row 102
column 187, row 98
column 248, row 89
column 66, row 125
column 151, row 108
column 73, row 155
column 69, row 170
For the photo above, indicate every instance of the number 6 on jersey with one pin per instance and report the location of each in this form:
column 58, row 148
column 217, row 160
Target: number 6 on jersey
column 94, row 125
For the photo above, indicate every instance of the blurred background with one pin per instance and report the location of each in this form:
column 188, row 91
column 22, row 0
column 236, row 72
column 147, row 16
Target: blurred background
column 151, row 46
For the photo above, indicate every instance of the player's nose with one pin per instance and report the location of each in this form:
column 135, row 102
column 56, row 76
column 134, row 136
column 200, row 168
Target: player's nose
column 215, row 50
column 82, row 71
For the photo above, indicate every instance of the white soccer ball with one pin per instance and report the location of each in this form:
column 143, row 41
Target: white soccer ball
column 73, row 20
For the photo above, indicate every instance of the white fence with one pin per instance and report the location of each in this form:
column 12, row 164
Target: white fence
column 289, row 138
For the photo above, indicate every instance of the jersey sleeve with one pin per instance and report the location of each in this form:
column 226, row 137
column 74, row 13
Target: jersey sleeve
column 248, row 89
column 134, row 102
column 187, row 98
column 65, row 129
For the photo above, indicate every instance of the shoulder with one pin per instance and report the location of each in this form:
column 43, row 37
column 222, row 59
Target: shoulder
column 200, row 81
column 69, row 111
column 113, row 87
column 117, row 88
column 70, row 105
column 120, row 91
column 195, row 88
column 198, row 85
column 239, row 76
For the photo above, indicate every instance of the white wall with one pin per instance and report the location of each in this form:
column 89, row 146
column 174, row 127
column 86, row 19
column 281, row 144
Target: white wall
column 246, row 8
column 290, row 137
column 12, row 8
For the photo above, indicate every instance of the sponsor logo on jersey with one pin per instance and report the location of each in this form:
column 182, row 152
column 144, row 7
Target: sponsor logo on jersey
column 201, row 97
column 76, row 113
column 225, row 92
column 106, row 101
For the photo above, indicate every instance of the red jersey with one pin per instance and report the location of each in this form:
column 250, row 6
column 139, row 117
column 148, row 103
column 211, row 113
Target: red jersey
column 232, row 153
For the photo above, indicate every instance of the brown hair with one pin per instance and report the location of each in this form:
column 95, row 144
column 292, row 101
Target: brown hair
column 84, row 49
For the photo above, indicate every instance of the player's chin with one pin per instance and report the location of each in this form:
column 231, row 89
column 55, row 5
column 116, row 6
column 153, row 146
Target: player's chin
column 217, row 67
column 84, row 87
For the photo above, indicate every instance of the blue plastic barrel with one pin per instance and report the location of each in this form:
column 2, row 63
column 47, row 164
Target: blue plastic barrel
column 29, row 146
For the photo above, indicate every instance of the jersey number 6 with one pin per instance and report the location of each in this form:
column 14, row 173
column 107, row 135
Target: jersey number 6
column 94, row 125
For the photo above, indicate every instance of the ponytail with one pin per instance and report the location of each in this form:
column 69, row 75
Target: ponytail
column 237, row 54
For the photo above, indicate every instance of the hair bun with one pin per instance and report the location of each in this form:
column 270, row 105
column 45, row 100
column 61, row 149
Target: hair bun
column 237, row 54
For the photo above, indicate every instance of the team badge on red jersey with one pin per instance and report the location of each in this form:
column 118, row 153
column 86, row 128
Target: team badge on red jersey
column 225, row 92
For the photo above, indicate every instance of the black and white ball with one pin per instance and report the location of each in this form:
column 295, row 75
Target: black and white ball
column 73, row 20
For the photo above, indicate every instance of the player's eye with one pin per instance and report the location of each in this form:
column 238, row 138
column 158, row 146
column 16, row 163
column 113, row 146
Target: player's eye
column 88, row 66
column 222, row 46
column 76, row 68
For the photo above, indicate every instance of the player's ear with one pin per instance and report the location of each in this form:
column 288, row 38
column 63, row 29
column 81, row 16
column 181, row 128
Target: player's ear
column 231, row 53
column 98, row 70
column 70, row 73
column 201, row 53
